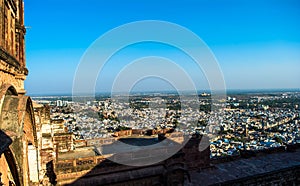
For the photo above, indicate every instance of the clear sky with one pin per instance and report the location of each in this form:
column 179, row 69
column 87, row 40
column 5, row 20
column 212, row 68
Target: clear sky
column 256, row 42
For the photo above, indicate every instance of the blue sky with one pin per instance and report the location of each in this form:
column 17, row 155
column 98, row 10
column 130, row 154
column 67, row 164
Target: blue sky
column 257, row 43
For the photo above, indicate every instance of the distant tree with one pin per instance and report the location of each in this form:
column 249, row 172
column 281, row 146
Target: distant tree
column 278, row 139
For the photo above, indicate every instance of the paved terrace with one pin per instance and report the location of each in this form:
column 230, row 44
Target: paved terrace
column 243, row 168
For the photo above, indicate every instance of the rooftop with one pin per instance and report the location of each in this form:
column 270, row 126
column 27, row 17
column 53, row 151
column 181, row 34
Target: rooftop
column 244, row 168
column 78, row 153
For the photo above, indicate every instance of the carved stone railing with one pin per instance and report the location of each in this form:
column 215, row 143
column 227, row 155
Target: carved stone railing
column 90, row 161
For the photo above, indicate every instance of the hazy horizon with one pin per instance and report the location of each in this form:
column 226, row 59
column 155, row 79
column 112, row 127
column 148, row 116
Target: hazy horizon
column 228, row 91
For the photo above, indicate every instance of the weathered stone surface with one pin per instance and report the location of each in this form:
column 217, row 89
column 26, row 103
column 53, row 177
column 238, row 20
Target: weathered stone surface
column 280, row 168
column 16, row 113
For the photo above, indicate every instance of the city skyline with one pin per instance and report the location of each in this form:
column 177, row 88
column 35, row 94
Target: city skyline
column 256, row 43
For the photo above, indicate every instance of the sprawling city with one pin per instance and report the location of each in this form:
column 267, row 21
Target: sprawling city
column 246, row 124
column 246, row 121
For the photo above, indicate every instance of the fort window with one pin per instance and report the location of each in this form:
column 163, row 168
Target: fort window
column 5, row 27
column 12, row 34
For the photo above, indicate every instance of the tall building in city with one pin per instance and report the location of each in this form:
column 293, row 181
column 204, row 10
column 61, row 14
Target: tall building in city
column 18, row 140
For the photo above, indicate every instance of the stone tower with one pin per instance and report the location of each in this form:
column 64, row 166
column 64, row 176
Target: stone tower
column 12, row 51
column 18, row 140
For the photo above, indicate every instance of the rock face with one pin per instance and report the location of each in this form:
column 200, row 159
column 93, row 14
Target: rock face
column 17, row 124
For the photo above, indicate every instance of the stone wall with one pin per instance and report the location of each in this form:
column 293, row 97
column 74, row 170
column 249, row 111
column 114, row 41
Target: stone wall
column 16, row 113
column 17, row 122
column 196, row 158
column 287, row 176
column 98, row 170
column 88, row 170
column 12, row 31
